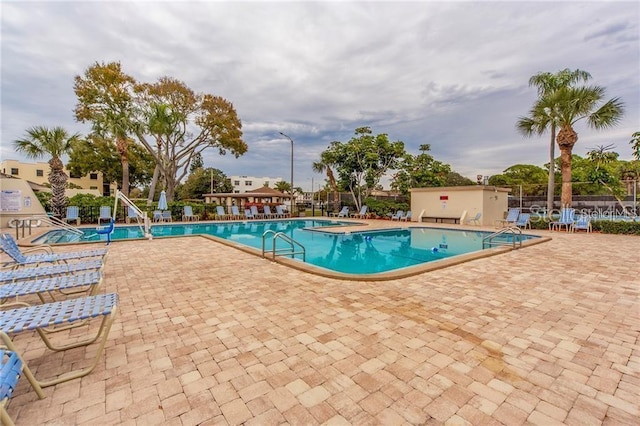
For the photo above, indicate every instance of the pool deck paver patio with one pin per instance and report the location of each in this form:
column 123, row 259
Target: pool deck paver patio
column 208, row 334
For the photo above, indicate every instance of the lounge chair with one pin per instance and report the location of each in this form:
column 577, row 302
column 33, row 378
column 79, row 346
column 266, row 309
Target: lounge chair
column 68, row 312
column 582, row 223
column 280, row 212
column 19, row 258
column 362, row 214
column 235, row 213
column 524, row 221
column 87, row 283
column 406, row 217
column 188, row 216
column 267, row 212
column 474, row 220
column 166, row 216
column 566, row 220
column 256, row 214
column 248, row 215
column 342, row 213
column 105, row 214
column 132, row 214
column 11, row 368
column 73, row 213
column 510, row 219
column 220, row 213
column 398, row 215
column 157, row 216
column 43, row 271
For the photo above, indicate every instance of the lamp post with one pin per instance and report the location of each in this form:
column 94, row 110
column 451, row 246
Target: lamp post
column 291, row 170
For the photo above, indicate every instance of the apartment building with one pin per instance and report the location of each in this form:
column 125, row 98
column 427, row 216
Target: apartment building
column 39, row 173
column 242, row 184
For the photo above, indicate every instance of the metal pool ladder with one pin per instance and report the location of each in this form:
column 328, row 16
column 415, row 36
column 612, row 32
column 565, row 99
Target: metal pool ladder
column 516, row 233
column 287, row 251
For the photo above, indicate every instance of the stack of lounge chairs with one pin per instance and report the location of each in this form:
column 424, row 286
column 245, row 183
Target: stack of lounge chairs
column 71, row 281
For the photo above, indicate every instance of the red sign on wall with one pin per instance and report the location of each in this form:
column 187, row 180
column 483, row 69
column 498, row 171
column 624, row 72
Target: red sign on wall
column 444, row 197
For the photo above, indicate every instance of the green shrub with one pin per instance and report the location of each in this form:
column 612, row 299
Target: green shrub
column 616, row 227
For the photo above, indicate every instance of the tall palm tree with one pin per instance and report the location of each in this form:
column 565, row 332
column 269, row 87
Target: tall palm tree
column 322, row 166
column 56, row 142
column 547, row 83
column 569, row 105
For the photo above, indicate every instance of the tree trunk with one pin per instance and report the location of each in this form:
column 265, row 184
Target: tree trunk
column 58, row 180
column 552, row 170
column 152, row 188
column 567, row 138
column 122, row 145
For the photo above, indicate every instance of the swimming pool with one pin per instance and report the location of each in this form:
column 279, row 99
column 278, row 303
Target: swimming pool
column 357, row 252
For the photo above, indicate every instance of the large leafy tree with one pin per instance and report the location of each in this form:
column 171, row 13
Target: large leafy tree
column 569, row 105
column 106, row 99
column 42, row 141
column 530, row 178
column 96, row 153
column 202, row 181
column 420, row 171
column 363, row 160
column 546, row 84
column 183, row 124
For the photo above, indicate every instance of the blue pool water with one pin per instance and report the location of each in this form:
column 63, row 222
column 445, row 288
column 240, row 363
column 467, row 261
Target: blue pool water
column 366, row 252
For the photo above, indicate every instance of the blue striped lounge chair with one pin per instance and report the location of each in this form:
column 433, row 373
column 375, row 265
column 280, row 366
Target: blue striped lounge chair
column 524, row 221
column 362, row 214
column 220, row 213
column 235, row 213
column 565, row 221
column 49, row 270
column 132, row 214
column 511, row 218
column 256, row 214
column 73, row 213
column 342, row 213
column 398, row 215
column 81, row 283
column 280, row 212
column 67, row 313
column 267, row 212
column 188, row 216
column 582, row 223
column 105, row 214
column 19, row 258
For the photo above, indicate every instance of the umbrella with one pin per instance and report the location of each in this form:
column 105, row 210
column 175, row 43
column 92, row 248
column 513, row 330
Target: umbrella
column 162, row 202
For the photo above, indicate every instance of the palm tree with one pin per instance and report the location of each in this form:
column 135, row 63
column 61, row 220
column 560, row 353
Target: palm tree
column 322, row 166
column 56, row 142
column 547, row 83
column 635, row 145
column 569, row 105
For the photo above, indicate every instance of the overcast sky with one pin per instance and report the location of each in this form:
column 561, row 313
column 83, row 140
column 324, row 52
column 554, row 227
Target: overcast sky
column 451, row 74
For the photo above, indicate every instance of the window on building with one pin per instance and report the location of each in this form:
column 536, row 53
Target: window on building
column 14, row 170
column 236, row 182
column 93, row 176
column 39, row 172
column 93, row 187
column 248, row 183
column 75, row 175
column 237, row 191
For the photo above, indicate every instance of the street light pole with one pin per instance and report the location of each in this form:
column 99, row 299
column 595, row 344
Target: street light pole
column 291, row 170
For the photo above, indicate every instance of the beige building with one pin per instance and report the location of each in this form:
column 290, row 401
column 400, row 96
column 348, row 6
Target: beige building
column 38, row 173
column 453, row 203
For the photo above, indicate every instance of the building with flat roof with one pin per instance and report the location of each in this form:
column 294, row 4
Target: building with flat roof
column 242, row 184
column 38, row 173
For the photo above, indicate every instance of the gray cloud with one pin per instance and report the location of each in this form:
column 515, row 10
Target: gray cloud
column 452, row 74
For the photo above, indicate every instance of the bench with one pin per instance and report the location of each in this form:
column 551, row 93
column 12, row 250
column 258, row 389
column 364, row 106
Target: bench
column 441, row 219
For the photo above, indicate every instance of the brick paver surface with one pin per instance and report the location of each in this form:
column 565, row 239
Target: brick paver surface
column 207, row 334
